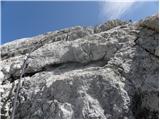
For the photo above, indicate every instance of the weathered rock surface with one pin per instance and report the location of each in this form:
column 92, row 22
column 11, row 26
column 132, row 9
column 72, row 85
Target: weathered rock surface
column 110, row 71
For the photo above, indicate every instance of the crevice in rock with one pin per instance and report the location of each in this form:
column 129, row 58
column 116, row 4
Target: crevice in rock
column 136, row 43
column 152, row 54
column 76, row 65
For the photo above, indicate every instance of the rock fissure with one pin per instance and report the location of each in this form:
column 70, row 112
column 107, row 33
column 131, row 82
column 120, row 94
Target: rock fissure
column 152, row 54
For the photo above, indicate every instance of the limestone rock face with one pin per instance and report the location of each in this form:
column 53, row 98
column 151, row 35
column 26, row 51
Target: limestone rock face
column 108, row 71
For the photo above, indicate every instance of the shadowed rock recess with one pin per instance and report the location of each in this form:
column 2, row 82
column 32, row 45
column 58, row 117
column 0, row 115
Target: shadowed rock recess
column 107, row 71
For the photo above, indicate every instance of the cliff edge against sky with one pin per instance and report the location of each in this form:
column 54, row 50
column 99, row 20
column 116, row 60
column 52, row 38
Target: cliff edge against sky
column 107, row 71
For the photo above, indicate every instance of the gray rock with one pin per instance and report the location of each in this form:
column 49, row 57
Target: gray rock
column 110, row 71
column 151, row 22
column 109, row 25
column 23, row 46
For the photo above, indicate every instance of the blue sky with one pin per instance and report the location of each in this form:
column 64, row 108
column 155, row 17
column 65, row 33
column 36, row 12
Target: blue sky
column 22, row 19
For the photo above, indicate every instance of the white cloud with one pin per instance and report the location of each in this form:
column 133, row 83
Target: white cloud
column 113, row 9
column 116, row 9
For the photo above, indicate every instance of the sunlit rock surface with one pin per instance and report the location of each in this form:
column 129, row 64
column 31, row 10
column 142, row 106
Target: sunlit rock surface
column 107, row 71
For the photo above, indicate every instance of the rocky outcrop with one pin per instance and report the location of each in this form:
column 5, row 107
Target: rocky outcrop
column 110, row 71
